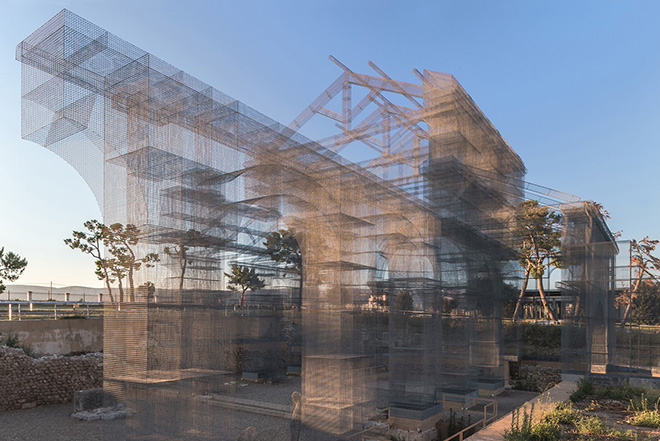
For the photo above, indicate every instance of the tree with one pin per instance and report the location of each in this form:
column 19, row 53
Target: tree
column 539, row 239
column 646, row 266
column 11, row 267
column 243, row 278
column 191, row 238
column 646, row 308
column 90, row 243
column 282, row 246
column 121, row 242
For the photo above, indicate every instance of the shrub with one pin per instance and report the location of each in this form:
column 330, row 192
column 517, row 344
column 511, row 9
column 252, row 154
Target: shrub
column 592, row 425
column 648, row 418
column 545, row 432
column 645, row 415
column 585, row 388
column 562, row 414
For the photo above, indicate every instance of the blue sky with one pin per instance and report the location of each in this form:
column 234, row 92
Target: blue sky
column 572, row 86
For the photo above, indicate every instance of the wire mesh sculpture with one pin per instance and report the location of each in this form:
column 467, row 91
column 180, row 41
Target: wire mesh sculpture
column 386, row 244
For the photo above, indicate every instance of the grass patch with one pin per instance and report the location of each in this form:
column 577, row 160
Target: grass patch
column 591, row 425
column 645, row 415
column 563, row 414
column 586, row 388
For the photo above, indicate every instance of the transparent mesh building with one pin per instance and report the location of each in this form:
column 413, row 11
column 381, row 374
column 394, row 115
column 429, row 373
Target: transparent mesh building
column 396, row 309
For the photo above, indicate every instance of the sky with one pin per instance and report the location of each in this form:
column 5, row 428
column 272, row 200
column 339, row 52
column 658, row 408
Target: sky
column 572, row 86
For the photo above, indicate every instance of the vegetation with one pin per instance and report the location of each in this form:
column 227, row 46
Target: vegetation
column 586, row 388
column 537, row 230
column 639, row 412
column 645, row 415
column 242, row 279
column 11, row 341
column 524, row 429
column 282, row 246
column 181, row 247
column 563, row 422
column 91, row 243
column 645, row 309
column 539, row 342
column 11, row 267
column 72, row 316
column 120, row 242
column 646, row 266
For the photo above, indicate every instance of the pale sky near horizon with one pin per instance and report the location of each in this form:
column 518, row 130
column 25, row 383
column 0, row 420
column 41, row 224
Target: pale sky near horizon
column 572, row 86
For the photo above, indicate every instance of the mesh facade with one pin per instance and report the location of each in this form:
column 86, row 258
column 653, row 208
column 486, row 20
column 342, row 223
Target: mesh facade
column 405, row 256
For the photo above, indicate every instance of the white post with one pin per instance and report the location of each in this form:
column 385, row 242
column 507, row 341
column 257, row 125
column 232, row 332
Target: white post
column 10, row 308
column 100, row 297
column 29, row 296
column 67, row 297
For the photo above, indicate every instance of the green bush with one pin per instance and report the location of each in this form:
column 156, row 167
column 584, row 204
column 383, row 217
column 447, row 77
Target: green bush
column 562, row 414
column 592, row 425
column 545, row 432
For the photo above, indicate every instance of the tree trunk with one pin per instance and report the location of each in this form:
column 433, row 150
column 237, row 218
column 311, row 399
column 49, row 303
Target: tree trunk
column 300, row 289
column 242, row 302
column 131, row 286
column 548, row 311
column 107, row 284
column 522, row 294
column 184, row 264
column 121, row 290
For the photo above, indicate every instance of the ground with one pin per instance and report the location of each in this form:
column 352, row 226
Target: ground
column 615, row 414
column 54, row 423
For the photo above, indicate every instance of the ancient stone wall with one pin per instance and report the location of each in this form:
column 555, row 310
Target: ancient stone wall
column 28, row 382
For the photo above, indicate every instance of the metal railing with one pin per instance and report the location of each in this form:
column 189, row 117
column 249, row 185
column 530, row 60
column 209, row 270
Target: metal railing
column 487, row 418
column 24, row 310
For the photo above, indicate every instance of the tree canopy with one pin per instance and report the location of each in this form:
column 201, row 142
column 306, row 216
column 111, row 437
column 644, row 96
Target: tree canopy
column 122, row 262
column 282, row 246
column 91, row 242
column 242, row 279
column 646, row 267
column 537, row 231
column 11, row 267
